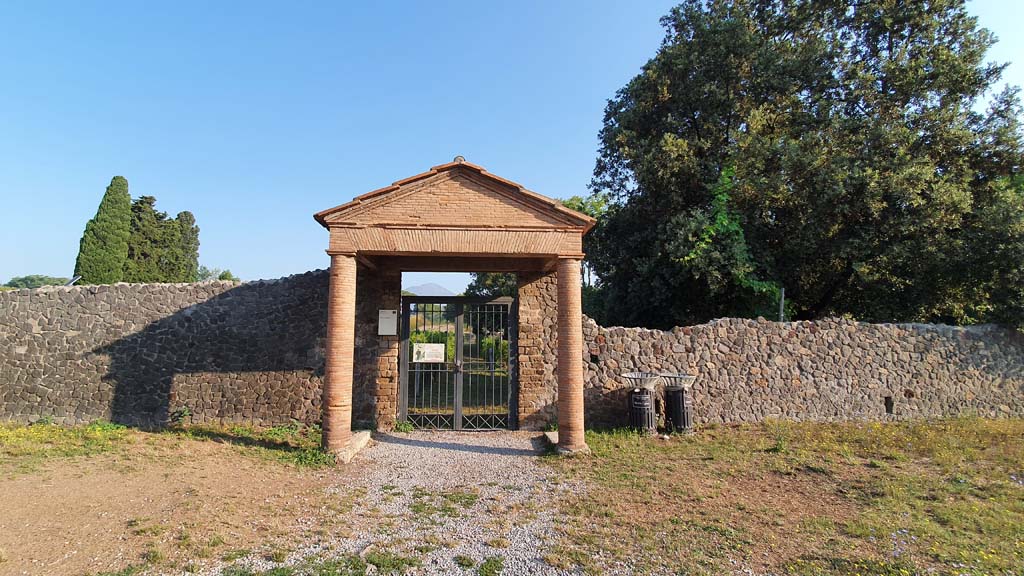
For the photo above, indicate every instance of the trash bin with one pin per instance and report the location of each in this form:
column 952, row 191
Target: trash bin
column 643, row 416
column 679, row 402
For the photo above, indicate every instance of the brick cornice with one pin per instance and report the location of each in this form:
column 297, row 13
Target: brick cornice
column 456, row 241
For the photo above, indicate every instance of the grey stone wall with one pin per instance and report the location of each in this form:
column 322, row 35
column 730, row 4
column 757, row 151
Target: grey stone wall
column 252, row 353
column 143, row 353
column 751, row 370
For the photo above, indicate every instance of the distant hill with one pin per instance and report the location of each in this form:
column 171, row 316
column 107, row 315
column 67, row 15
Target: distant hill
column 429, row 289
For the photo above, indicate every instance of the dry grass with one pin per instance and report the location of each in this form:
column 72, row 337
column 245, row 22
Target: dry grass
column 24, row 448
column 103, row 498
column 943, row 497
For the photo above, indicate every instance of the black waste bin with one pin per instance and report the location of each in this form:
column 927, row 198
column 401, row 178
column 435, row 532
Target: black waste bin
column 678, row 409
column 642, row 416
column 678, row 402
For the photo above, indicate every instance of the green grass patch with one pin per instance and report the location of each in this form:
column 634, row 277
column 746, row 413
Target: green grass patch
column 463, row 498
column 232, row 555
column 293, row 443
column 391, row 563
column 277, row 555
column 126, row 571
column 491, row 566
column 426, row 505
column 404, row 427
column 801, row 498
column 24, row 447
column 280, row 571
column 344, row 566
column 153, row 555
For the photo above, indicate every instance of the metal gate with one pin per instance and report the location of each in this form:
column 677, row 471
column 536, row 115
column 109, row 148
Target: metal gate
column 456, row 364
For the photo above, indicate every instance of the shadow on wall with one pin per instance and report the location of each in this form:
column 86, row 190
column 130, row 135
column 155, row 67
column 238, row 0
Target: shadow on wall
column 251, row 354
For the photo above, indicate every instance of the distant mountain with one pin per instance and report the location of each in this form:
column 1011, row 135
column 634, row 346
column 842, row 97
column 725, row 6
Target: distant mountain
column 429, row 289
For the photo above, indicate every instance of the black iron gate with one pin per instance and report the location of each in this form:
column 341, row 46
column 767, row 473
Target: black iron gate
column 457, row 363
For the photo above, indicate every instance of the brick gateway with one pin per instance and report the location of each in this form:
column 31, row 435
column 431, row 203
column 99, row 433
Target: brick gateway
column 456, row 217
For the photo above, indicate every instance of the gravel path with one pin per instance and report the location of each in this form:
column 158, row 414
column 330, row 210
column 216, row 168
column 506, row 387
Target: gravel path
column 439, row 497
column 472, row 494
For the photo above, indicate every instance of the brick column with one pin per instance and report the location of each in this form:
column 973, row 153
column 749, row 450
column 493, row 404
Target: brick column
column 570, row 358
column 341, row 322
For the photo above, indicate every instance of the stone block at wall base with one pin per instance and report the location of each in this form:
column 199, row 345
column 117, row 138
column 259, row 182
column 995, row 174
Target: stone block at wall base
column 359, row 441
column 552, row 440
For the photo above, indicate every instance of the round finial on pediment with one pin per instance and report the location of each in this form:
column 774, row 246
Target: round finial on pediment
column 460, row 159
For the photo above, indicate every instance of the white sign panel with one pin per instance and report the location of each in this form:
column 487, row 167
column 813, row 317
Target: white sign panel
column 387, row 323
column 427, row 352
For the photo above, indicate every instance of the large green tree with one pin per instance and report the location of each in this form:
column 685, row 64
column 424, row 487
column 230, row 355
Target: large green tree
column 185, row 260
column 833, row 149
column 35, row 281
column 491, row 284
column 161, row 249
column 104, row 246
column 205, row 274
column 150, row 245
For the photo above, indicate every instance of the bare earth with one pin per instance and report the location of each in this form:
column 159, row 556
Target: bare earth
column 202, row 505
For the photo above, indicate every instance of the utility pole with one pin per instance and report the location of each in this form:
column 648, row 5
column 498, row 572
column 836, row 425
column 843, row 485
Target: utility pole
column 782, row 304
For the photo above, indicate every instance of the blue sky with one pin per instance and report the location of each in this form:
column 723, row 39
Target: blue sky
column 256, row 115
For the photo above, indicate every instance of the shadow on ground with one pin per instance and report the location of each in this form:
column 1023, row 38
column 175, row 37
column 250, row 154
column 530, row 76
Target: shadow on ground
column 538, row 444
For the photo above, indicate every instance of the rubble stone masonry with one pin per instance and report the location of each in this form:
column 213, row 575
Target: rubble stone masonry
column 752, row 370
column 224, row 352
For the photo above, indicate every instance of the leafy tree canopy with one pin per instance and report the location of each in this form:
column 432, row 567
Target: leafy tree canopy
column 593, row 205
column 491, row 285
column 161, row 249
column 35, row 281
column 838, row 150
column 205, row 274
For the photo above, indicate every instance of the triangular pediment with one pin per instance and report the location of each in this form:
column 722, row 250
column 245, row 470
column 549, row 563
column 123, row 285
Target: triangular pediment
column 455, row 195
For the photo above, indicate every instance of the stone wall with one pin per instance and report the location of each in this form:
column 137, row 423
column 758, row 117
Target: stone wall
column 537, row 349
column 253, row 353
column 142, row 354
column 751, row 370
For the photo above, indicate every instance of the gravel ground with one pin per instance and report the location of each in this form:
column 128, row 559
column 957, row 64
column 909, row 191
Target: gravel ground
column 439, row 496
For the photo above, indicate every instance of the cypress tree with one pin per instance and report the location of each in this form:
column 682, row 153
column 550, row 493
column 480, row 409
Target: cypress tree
column 187, row 250
column 104, row 246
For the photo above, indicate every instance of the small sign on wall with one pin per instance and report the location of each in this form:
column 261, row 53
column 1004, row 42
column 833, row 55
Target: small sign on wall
column 387, row 323
column 427, row 353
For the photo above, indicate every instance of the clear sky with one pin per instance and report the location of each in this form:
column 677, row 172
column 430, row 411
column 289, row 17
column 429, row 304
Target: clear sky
column 255, row 115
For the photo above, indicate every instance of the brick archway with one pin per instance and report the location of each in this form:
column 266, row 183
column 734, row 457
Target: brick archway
column 455, row 217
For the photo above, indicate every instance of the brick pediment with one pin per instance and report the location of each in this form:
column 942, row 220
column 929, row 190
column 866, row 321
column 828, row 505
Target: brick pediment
column 457, row 195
